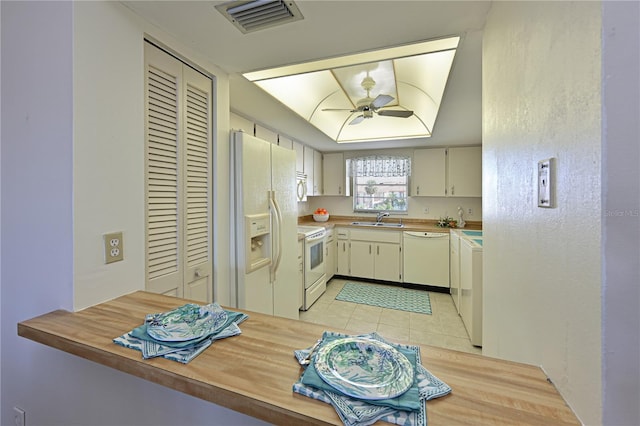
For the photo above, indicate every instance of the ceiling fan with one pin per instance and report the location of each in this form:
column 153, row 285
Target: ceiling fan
column 368, row 105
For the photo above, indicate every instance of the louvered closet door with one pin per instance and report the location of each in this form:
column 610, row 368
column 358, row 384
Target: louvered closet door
column 177, row 177
column 197, row 179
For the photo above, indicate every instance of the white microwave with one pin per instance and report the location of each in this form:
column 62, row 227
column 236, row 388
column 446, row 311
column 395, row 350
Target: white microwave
column 301, row 186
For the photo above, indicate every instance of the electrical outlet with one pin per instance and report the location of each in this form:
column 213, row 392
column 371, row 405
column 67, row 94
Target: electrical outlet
column 18, row 416
column 470, row 211
column 113, row 247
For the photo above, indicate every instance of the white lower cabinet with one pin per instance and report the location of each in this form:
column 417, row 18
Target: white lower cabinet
column 471, row 289
column 342, row 251
column 375, row 254
column 330, row 254
column 387, row 262
column 361, row 259
column 301, row 272
column 454, row 267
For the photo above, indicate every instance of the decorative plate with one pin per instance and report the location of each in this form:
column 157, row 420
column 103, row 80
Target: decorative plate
column 364, row 368
column 187, row 322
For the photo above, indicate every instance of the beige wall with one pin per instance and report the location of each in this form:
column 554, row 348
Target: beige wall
column 541, row 99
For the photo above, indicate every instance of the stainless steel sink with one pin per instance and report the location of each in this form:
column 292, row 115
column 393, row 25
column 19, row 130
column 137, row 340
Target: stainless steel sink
column 379, row 224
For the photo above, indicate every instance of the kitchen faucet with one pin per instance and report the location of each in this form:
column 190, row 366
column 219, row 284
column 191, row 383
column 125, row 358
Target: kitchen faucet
column 380, row 216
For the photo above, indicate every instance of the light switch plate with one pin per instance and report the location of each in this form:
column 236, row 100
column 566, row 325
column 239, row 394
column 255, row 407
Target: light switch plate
column 546, row 178
column 113, row 247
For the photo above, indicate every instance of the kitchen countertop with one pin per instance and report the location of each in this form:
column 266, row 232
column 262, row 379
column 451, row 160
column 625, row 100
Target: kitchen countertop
column 423, row 225
column 253, row 373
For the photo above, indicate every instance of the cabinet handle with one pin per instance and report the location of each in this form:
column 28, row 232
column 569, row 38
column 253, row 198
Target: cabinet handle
column 453, row 190
column 344, row 247
column 378, row 250
column 369, row 248
column 418, row 190
column 339, row 190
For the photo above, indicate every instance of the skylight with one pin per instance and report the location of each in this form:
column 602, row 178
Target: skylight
column 386, row 94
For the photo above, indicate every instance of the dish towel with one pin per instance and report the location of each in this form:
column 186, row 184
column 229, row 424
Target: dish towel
column 181, row 351
column 353, row 411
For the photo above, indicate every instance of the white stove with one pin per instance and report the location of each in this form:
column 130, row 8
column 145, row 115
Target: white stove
column 315, row 279
column 310, row 230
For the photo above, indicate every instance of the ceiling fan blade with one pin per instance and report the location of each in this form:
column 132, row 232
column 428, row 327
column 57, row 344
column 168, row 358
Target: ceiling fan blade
column 357, row 120
column 395, row 113
column 338, row 109
column 381, row 100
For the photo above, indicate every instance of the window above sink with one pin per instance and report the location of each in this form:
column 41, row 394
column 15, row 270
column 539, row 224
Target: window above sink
column 380, row 184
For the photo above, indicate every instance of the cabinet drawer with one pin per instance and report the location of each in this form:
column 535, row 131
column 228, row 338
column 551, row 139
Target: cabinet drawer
column 375, row 236
column 342, row 233
column 329, row 235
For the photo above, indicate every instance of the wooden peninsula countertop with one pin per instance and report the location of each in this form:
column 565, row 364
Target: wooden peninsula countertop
column 253, row 373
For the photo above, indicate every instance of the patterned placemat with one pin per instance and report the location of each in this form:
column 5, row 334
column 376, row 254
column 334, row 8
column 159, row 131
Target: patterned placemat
column 403, row 299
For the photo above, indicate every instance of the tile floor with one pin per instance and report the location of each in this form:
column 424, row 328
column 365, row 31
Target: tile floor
column 442, row 328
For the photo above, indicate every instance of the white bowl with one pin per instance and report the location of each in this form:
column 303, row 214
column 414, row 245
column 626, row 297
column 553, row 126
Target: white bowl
column 320, row 217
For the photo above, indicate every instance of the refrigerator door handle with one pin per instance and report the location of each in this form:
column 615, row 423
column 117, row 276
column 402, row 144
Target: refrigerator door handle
column 278, row 216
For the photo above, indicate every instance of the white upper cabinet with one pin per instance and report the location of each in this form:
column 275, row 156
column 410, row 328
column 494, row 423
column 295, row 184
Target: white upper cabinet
column 464, row 172
column 312, row 160
column 299, row 149
column 240, row 123
column 285, row 142
column 308, row 168
column 428, row 172
column 333, row 171
column 447, row 172
column 266, row 134
column 317, row 173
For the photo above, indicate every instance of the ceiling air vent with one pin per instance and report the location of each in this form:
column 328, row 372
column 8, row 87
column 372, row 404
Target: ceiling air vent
column 249, row 16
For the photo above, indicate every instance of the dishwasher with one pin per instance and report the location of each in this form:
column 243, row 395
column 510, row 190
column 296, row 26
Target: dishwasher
column 426, row 258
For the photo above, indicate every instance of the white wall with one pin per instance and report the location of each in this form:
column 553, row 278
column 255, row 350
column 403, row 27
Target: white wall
column 57, row 148
column 108, row 150
column 541, row 99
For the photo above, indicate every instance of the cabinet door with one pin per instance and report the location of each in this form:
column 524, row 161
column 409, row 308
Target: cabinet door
column 240, row 123
column 308, row 168
column 317, row 173
column 330, row 257
column 362, row 259
column 266, row 134
column 299, row 149
column 333, row 174
column 387, row 262
column 300, row 273
column 454, row 269
column 285, row 142
column 464, row 172
column 428, row 172
column 342, row 257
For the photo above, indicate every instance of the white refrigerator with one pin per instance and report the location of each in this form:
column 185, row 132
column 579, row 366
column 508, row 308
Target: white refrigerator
column 264, row 227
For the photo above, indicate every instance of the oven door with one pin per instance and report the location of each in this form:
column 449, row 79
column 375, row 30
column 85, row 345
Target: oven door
column 314, row 266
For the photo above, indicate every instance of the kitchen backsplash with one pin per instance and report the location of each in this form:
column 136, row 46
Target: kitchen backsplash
column 419, row 207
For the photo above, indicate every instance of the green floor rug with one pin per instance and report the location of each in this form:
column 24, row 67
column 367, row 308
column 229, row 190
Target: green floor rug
column 403, row 299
